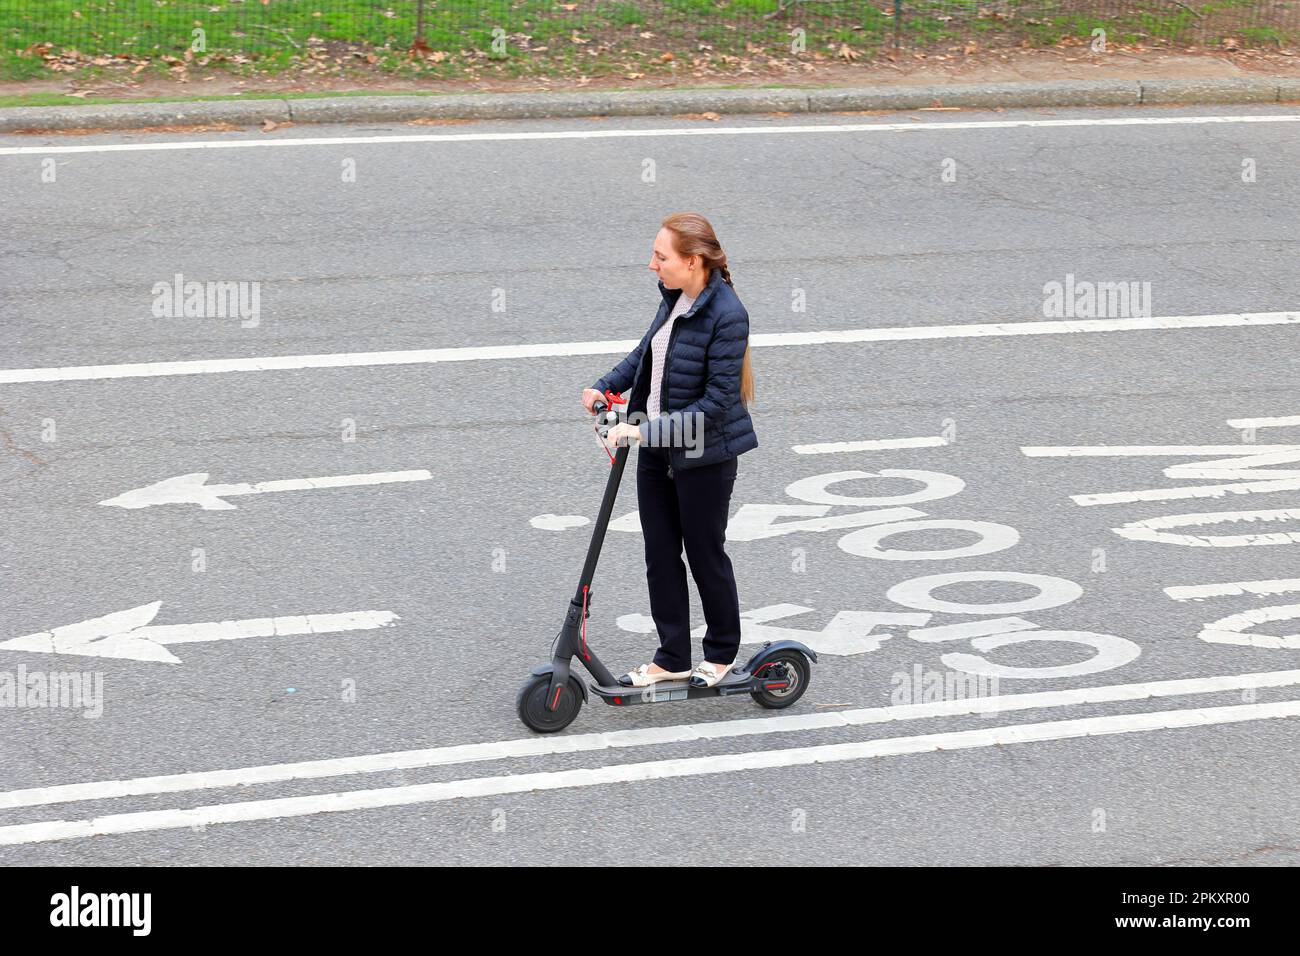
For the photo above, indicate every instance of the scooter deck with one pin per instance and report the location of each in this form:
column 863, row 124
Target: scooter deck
column 736, row 682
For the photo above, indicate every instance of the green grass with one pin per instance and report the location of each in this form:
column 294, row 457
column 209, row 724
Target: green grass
column 275, row 37
column 1264, row 36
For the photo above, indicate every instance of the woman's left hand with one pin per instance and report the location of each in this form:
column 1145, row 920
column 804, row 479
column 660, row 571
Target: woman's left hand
column 623, row 430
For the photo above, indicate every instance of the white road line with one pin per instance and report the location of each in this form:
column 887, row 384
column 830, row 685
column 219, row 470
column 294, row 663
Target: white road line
column 192, row 489
column 1179, row 494
column 622, row 347
column 1282, row 422
column 1156, row 529
column 1199, row 592
column 1126, row 451
column 681, row 733
column 909, row 127
column 246, row 811
column 833, row 447
column 129, row 635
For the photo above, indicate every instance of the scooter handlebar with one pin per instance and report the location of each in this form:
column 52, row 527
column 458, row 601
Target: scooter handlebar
column 604, row 414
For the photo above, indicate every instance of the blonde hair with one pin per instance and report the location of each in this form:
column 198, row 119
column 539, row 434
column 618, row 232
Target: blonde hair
column 693, row 236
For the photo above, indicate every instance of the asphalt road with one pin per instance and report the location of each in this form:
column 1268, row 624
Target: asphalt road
column 364, row 244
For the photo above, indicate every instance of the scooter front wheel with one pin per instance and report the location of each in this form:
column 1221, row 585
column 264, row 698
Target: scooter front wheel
column 531, row 704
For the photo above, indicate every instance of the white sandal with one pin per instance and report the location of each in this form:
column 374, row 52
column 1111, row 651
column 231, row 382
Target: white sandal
column 641, row 677
column 707, row 673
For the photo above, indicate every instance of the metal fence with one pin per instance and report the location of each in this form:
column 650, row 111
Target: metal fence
column 585, row 31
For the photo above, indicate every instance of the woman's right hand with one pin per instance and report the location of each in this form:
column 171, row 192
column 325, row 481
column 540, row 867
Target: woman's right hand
column 589, row 398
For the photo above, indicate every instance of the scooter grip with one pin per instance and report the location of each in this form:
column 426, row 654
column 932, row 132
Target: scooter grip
column 604, row 414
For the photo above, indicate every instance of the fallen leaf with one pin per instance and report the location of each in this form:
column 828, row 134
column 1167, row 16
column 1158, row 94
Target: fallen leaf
column 438, row 121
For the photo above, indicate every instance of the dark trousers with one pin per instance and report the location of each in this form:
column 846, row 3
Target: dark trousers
column 688, row 506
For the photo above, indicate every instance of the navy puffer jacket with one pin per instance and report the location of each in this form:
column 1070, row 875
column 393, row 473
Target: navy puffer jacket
column 705, row 353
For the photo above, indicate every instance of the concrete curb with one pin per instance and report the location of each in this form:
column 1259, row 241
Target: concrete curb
column 370, row 109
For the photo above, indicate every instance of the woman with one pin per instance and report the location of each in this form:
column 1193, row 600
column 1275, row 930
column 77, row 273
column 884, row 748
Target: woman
column 690, row 378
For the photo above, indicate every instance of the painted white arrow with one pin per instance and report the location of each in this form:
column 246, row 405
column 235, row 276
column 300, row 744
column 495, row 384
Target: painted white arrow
column 126, row 634
column 191, row 489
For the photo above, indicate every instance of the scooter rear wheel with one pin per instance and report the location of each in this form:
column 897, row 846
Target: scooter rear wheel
column 797, row 673
column 531, row 704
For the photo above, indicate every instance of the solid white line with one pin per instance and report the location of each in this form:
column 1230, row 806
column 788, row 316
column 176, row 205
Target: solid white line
column 626, row 773
column 1199, row 592
column 681, row 733
column 1066, row 451
column 275, row 363
column 629, row 133
column 765, row 340
column 832, row 447
column 1264, row 422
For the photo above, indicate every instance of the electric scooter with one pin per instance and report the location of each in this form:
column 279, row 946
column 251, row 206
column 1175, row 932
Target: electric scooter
column 775, row 677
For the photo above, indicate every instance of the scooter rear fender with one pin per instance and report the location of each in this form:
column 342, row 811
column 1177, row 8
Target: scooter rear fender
column 773, row 647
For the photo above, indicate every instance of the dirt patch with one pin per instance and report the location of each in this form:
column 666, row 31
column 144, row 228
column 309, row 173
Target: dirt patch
column 955, row 65
column 176, row 128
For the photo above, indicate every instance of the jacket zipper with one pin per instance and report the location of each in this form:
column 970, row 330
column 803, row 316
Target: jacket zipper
column 663, row 393
column 668, row 353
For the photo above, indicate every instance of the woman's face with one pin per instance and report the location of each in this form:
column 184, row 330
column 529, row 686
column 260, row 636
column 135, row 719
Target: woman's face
column 671, row 268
